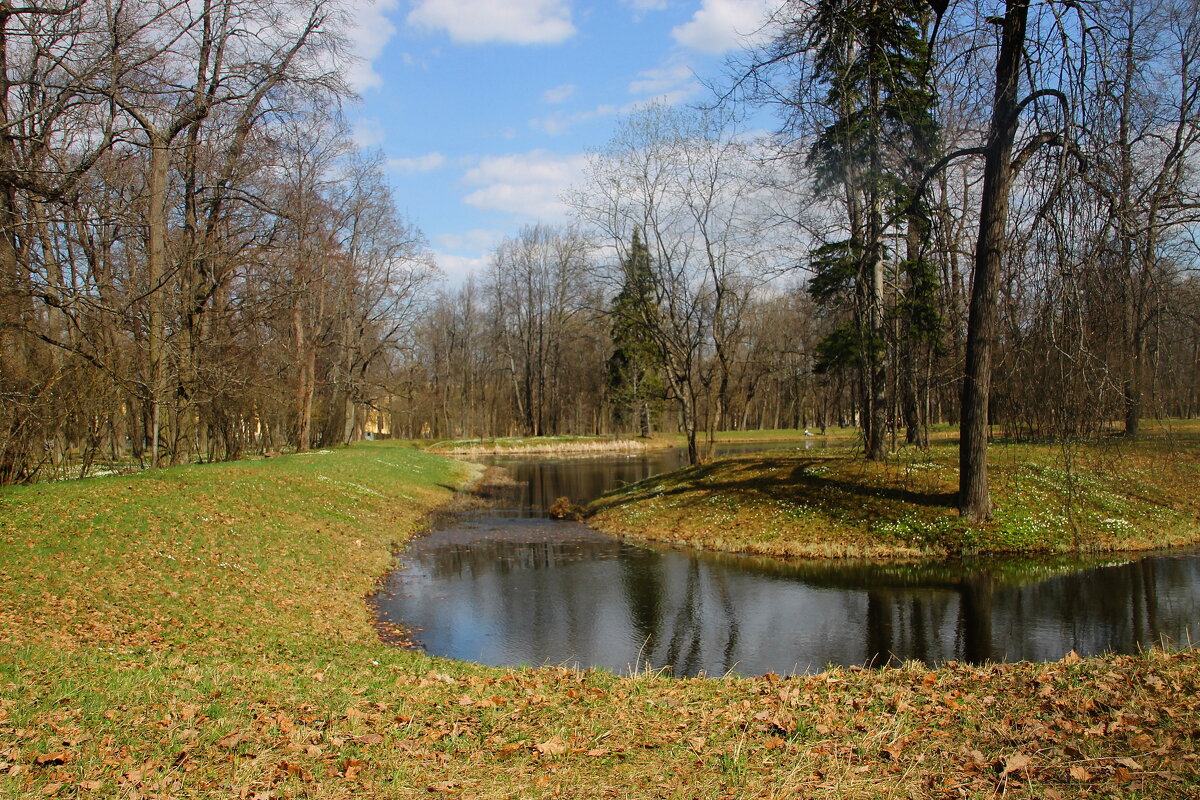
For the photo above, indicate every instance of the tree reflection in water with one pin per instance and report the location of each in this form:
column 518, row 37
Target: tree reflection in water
column 536, row 591
column 508, row 586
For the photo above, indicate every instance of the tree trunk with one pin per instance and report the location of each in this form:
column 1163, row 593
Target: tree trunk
column 156, row 258
column 349, row 420
column 306, row 360
column 876, row 397
column 688, row 417
column 1133, row 384
column 974, row 498
column 877, row 364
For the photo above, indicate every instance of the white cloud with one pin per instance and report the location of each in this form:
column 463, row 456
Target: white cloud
column 557, row 124
column 413, row 62
column 475, row 241
column 672, row 83
column 723, row 25
column 370, row 30
column 646, row 5
column 508, row 21
column 558, row 94
column 368, row 133
column 528, row 185
column 457, row 268
column 411, row 166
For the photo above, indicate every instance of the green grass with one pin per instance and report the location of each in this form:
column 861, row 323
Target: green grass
column 1109, row 495
column 201, row 632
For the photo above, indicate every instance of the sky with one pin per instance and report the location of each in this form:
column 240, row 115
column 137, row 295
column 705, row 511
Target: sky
column 485, row 110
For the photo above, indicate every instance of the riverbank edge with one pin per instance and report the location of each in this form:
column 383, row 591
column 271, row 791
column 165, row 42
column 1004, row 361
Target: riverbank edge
column 884, row 555
column 107, row 693
column 587, row 445
column 539, row 448
column 835, row 505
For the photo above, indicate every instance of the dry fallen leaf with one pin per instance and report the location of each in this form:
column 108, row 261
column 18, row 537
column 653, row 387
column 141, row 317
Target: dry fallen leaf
column 1142, row 742
column 351, row 767
column 61, row 757
column 552, row 747
column 1015, row 763
column 1080, row 774
column 230, row 740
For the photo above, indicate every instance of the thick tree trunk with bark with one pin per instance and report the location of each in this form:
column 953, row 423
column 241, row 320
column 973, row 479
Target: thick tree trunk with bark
column 974, row 498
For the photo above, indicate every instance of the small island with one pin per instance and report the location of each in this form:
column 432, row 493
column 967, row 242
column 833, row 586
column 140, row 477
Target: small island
column 1101, row 496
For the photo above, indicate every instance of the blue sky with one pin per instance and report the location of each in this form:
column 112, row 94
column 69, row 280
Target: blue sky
column 485, row 109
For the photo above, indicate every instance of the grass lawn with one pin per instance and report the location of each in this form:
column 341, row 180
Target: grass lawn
column 1103, row 496
column 201, row 632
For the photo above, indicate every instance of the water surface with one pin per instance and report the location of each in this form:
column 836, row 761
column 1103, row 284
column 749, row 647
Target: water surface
column 509, row 587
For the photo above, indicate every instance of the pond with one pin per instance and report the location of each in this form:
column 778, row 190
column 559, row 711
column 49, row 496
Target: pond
column 508, row 586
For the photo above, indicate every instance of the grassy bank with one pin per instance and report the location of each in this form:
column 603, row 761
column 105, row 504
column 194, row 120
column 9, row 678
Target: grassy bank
column 588, row 445
column 766, row 435
column 1104, row 496
column 201, row 632
column 543, row 446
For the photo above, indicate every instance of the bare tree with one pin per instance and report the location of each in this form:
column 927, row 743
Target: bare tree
column 1140, row 130
column 680, row 179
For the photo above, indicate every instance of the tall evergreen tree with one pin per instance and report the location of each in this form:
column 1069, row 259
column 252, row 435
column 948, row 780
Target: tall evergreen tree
column 873, row 59
column 632, row 375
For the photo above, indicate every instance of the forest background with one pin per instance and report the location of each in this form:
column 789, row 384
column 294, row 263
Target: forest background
column 197, row 262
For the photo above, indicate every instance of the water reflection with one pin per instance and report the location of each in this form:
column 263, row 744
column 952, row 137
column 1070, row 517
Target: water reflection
column 542, row 481
column 535, row 591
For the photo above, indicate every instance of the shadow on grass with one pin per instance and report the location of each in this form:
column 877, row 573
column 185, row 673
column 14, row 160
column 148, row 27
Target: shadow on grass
column 784, row 478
